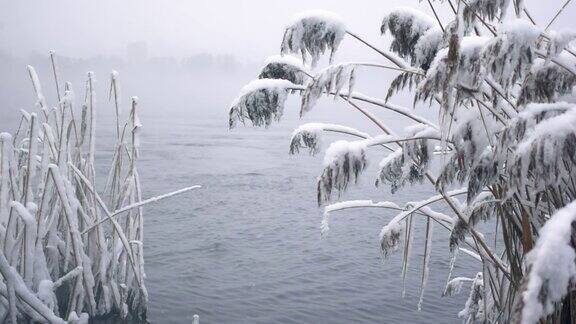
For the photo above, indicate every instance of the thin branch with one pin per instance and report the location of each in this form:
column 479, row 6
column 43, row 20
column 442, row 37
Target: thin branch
column 140, row 204
column 407, row 70
column 339, row 131
column 436, row 15
column 377, row 102
column 55, row 73
column 557, row 14
column 391, row 57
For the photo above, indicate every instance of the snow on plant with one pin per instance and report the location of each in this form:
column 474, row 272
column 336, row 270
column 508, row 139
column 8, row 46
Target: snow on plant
column 406, row 25
column 414, row 38
column 427, row 46
column 390, row 238
column 260, row 101
column 312, row 33
column 285, row 67
column 330, row 80
column 551, row 267
column 540, row 159
column 310, row 136
column 482, row 208
column 558, row 41
column 409, row 163
column 395, row 172
column 467, row 72
column 509, row 55
column 503, row 133
column 488, row 9
column 325, row 226
column 67, row 255
column 525, row 122
column 546, row 82
column 454, row 286
column 472, row 137
column 474, row 308
column 343, row 163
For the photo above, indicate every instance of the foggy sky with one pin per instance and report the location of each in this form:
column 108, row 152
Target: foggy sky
column 250, row 30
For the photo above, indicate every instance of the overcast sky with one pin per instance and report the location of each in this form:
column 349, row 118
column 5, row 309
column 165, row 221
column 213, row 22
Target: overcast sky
column 249, row 29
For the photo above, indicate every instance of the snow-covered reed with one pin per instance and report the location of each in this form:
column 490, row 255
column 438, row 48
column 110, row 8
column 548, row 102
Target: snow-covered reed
column 505, row 133
column 69, row 252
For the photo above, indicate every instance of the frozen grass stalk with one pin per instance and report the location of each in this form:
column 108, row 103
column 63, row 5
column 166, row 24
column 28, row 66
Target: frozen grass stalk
column 66, row 254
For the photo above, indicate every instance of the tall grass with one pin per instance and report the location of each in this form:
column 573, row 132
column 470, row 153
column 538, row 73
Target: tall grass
column 69, row 252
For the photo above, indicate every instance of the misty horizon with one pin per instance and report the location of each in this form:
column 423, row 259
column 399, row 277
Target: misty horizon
column 249, row 30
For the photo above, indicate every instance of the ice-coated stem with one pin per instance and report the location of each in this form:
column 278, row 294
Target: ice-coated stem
column 140, row 204
column 55, row 73
column 391, row 57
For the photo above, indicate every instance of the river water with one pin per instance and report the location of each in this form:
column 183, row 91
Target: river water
column 247, row 247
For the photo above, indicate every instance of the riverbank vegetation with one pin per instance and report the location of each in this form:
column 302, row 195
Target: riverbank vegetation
column 504, row 135
column 71, row 252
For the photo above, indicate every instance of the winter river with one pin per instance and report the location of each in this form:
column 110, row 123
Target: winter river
column 247, row 247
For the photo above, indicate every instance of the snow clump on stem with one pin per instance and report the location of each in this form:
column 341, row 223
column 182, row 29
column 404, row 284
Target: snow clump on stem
column 311, row 33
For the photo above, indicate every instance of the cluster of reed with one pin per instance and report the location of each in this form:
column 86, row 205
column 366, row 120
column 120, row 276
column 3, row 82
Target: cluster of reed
column 68, row 252
column 506, row 138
